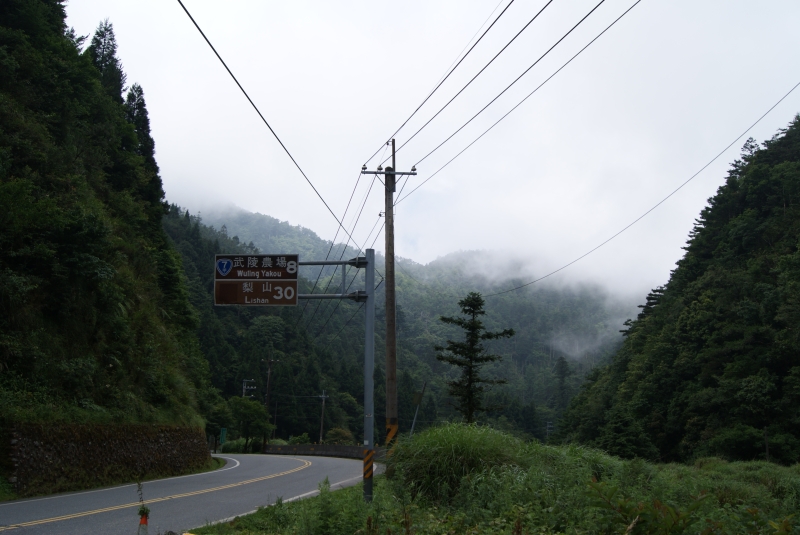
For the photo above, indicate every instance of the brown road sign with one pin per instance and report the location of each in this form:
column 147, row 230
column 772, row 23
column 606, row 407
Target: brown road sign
column 255, row 292
column 255, row 279
column 256, row 267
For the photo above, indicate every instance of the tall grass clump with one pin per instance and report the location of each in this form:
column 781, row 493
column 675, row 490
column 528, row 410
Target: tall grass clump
column 434, row 462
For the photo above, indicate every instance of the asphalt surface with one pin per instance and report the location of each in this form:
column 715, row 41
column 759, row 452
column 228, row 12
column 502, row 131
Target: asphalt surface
column 179, row 504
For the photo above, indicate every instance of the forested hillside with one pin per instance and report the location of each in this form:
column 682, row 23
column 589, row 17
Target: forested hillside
column 95, row 324
column 238, row 342
column 711, row 366
column 562, row 333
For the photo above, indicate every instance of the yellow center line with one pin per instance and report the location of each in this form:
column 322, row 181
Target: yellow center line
column 306, row 464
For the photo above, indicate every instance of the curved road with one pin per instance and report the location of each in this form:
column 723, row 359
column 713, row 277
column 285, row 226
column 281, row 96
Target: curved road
column 180, row 503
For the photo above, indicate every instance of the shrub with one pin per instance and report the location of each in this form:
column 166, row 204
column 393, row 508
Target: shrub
column 339, row 436
column 300, row 439
column 434, row 462
column 233, row 446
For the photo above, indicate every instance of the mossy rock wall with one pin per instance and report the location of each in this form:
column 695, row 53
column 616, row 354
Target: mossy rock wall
column 48, row 458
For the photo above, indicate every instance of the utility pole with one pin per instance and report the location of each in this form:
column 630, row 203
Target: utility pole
column 269, row 362
column 391, row 325
column 390, row 182
column 275, row 426
column 417, row 401
column 322, row 416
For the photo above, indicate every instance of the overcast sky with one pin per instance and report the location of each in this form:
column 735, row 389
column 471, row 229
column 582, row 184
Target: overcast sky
column 639, row 112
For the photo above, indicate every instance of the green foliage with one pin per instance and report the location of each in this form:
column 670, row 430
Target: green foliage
column 434, row 462
column 241, row 445
column 300, row 439
column 95, row 325
column 516, row 488
column 340, row 436
column 470, row 356
column 710, row 366
column 251, row 418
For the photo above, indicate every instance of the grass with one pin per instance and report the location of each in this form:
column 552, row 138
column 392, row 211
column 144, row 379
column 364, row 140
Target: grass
column 475, row 480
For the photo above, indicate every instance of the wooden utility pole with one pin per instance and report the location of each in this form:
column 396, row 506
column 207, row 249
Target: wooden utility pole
column 322, row 416
column 390, row 175
column 391, row 325
column 269, row 362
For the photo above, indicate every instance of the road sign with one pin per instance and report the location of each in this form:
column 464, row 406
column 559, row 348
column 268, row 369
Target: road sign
column 255, row 267
column 255, row 280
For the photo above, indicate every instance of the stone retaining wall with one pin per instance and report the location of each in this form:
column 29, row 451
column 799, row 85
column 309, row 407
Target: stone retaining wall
column 48, row 458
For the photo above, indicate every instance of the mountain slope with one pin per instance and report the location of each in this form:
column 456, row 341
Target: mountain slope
column 712, row 364
column 95, row 323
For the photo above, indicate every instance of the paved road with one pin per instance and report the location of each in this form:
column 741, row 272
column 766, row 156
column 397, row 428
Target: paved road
column 179, row 503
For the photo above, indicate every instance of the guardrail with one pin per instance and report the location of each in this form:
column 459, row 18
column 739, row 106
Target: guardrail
column 325, row 450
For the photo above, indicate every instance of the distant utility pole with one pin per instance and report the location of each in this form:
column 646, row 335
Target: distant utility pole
column 245, row 388
column 417, row 401
column 322, row 416
column 269, row 362
column 390, row 182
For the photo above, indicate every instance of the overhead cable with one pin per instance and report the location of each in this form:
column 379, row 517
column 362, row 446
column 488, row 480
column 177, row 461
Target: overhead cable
column 512, row 83
column 518, row 104
column 715, row 158
column 286, row 150
column 330, row 280
column 450, row 71
column 483, row 69
column 333, row 242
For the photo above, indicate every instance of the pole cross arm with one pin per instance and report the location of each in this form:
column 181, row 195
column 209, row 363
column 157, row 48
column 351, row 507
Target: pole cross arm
column 359, row 262
column 388, row 172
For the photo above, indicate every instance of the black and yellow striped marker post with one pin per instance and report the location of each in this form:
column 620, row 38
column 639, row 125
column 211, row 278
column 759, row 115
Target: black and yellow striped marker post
column 391, row 434
column 369, row 455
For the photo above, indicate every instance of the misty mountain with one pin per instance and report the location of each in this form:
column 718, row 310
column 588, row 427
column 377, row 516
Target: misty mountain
column 563, row 332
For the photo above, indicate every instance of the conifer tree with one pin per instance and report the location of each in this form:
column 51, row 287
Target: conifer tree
column 470, row 355
column 103, row 51
column 136, row 114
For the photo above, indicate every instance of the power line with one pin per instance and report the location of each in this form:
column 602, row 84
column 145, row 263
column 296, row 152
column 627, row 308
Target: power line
column 262, row 117
column 519, row 103
column 333, row 243
column 342, row 255
column 715, row 158
column 481, row 71
column 451, row 69
column 514, row 82
column 339, row 302
column 344, row 250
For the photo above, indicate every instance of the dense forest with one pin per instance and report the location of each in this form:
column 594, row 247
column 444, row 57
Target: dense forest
column 95, row 321
column 711, row 365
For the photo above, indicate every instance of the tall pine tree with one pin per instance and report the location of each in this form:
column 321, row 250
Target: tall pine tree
column 470, row 355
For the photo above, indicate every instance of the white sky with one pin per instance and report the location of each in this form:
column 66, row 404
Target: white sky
column 640, row 111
